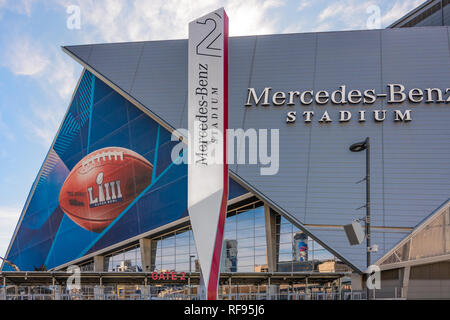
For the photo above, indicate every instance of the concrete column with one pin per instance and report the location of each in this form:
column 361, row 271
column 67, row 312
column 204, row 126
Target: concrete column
column 3, row 290
column 146, row 292
column 340, row 289
column 99, row 263
column 272, row 220
column 99, row 292
column 54, row 288
column 272, row 291
column 148, row 254
column 357, row 281
column 405, row 281
column 189, row 287
column 307, row 293
column 57, row 291
column 445, row 232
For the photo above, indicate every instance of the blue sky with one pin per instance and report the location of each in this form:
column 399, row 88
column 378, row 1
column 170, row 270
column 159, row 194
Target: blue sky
column 37, row 79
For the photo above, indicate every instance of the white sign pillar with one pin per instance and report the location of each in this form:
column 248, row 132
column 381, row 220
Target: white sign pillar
column 207, row 124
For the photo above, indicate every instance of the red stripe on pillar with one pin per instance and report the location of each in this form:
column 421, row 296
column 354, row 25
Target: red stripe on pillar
column 215, row 265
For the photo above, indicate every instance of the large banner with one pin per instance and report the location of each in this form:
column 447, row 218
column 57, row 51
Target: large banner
column 107, row 178
column 207, row 124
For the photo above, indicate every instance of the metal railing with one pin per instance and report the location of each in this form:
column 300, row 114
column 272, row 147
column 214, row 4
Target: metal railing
column 392, row 293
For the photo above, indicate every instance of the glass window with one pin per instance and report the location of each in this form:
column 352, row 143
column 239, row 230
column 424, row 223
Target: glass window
column 182, row 267
column 286, row 238
column 260, row 260
column 299, row 252
column 245, row 247
column 246, row 233
column 285, row 226
column 260, row 241
column 168, row 242
column 260, row 232
column 182, row 251
column 260, row 251
column 127, row 260
column 246, row 260
column 230, row 234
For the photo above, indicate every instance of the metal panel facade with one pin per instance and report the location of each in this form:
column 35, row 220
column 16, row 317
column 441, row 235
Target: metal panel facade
column 316, row 181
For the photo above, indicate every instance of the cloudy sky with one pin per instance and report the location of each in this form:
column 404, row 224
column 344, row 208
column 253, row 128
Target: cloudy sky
column 37, row 79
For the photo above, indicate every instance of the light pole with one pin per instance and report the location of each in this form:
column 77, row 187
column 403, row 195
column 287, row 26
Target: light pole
column 190, row 270
column 357, row 147
column 190, row 262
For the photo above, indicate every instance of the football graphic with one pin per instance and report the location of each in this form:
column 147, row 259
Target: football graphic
column 102, row 185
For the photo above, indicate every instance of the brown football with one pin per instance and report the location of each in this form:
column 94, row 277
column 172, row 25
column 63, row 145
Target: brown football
column 102, row 185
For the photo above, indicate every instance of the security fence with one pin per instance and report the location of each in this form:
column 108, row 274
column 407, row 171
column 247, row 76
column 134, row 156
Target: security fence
column 182, row 293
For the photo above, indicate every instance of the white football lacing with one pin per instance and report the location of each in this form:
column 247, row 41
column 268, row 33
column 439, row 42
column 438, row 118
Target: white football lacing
column 103, row 155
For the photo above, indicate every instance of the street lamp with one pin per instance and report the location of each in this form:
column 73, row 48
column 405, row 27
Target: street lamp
column 189, row 285
column 357, row 147
column 190, row 262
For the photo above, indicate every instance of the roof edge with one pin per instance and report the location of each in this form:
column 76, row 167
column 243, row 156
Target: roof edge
column 232, row 174
column 409, row 14
column 419, row 227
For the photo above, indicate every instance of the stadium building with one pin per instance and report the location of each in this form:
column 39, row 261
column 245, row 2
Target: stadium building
column 284, row 233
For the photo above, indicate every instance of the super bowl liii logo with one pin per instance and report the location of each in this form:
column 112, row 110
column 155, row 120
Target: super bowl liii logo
column 108, row 192
column 396, row 95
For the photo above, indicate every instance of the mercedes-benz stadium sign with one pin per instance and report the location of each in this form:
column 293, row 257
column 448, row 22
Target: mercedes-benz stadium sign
column 207, row 121
column 397, row 94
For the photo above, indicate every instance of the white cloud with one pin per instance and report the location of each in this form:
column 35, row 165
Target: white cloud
column 353, row 15
column 294, row 27
column 304, row 4
column 325, row 26
column 5, row 131
column 9, row 216
column 58, row 81
column 43, row 122
column 116, row 20
column 23, row 57
column 2, row 4
column 61, row 75
column 18, row 6
column 54, row 72
column 252, row 17
column 399, row 9
column 350, row 14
